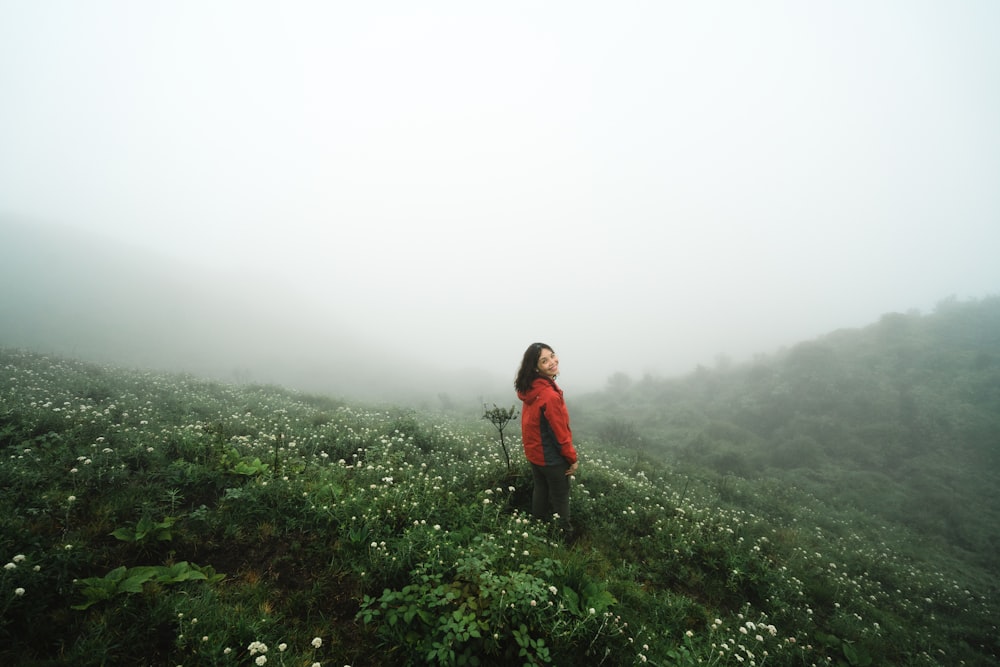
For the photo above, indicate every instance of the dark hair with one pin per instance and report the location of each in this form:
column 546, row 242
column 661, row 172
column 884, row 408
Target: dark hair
column 528, row 371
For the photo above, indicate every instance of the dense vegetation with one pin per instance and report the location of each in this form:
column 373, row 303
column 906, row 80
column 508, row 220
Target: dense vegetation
column 900, row 419
column 832, row 506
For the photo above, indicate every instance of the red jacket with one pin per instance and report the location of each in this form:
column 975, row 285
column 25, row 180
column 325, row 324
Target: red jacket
column 545, row 428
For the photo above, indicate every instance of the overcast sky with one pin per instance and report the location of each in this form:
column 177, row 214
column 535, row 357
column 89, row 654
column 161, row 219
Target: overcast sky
column 643, row 185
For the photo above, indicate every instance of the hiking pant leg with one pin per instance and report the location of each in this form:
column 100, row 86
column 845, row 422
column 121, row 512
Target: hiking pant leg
column 551, row 493
column 559, row 492
column 540, row 493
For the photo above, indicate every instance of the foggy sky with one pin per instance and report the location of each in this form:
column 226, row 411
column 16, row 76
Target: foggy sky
column 644, row 186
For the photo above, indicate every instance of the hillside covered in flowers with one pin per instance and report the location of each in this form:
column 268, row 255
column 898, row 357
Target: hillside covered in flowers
column 148, row 519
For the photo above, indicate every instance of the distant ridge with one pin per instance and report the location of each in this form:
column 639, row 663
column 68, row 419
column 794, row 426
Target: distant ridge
column 900, row 418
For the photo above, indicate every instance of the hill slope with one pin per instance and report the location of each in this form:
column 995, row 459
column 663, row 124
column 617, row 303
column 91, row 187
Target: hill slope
column 901, row 418
column 163, row 520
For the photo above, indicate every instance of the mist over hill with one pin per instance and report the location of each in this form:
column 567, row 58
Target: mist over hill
column 92, row 299
column 900, row 418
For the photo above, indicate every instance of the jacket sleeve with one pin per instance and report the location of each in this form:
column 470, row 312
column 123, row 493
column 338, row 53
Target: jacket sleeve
column 558, row 417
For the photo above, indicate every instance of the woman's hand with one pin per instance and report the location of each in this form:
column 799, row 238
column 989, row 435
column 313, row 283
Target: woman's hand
column 572, row 469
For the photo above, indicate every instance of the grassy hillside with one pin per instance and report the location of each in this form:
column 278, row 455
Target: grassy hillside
column 165, row 520
column 900, row 419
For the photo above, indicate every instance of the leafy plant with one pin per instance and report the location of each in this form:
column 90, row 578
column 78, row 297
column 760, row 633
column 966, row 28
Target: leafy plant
column 123, row 580
column 244, row 465
column 147, row 530
column 850, row 653
column 592, row 599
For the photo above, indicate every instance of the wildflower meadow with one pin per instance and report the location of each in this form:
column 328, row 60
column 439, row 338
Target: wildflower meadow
column 153, row 519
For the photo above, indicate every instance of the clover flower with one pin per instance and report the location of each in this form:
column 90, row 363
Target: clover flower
column 18, row 592
column 317, row 642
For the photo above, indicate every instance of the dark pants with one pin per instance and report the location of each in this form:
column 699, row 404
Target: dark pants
column 551, row 493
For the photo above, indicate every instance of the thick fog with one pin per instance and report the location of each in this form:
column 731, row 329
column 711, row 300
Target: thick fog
column 391, row 192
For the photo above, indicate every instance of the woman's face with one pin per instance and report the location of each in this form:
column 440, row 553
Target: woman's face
column 548, row 364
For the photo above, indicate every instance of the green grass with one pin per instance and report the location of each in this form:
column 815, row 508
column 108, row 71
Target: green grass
column 358, row 535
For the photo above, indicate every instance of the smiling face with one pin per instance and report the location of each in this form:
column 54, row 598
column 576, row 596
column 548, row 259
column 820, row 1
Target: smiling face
column 548, row 364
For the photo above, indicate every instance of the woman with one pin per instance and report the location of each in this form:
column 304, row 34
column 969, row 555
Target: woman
column 545, row 432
